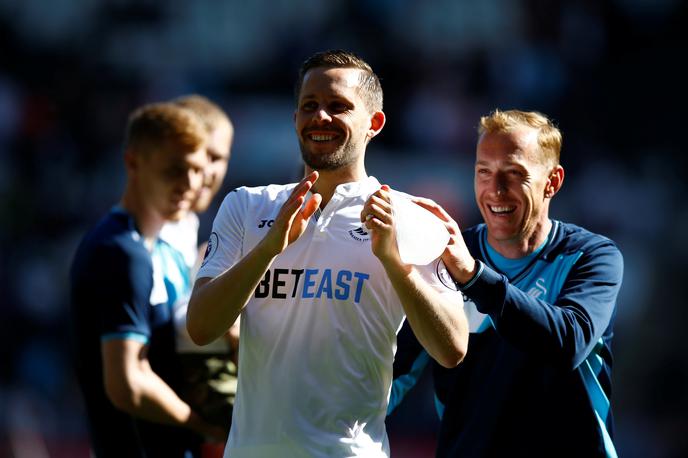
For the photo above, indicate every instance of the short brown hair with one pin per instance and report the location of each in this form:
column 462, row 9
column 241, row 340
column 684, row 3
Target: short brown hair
column 549, row 136
column 209, row 112
column 369, row 84
column 164, row 123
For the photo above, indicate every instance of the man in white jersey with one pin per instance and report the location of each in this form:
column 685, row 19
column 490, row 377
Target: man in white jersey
column 314, row 271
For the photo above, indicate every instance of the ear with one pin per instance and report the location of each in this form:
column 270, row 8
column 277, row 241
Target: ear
column 554, row 182
column 377, row 122
column 130, row 160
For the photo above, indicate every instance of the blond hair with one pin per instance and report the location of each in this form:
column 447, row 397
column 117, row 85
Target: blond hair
column 548, row 135
column 156, row 124
column 210, row 113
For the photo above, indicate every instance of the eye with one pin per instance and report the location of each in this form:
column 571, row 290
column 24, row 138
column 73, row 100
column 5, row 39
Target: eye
column 309, row 106
column 338, row 107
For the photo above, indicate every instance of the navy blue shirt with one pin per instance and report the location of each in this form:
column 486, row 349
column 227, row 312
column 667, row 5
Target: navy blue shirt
column 111, row 285
column 524, row 388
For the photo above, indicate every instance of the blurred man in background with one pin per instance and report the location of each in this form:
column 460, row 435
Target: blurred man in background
column 122, row 316
column 540, row 296
column 209, row 372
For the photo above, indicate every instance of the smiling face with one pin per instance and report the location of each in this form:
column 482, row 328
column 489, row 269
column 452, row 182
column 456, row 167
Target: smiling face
column 332, row 121
column 513, row 187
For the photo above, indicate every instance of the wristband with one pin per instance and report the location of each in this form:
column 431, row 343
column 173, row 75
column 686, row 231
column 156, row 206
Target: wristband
column 473, row 279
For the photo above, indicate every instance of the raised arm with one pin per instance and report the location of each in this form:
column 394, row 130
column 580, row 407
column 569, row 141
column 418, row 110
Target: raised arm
column 437, row 320
column 216, row 303
column 567, row 329
column 564, row 330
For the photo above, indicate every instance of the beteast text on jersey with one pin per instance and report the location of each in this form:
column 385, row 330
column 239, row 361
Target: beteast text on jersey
column 316, row 283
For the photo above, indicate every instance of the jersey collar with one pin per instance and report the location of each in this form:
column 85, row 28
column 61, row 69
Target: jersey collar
column 541, row 252
column 364, row 187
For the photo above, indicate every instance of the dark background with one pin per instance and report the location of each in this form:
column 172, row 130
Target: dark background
column 610, row 72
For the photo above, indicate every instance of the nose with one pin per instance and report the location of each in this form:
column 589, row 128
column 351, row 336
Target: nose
column 322, row 116
column 196, row 178
column 499, row 184
column 208, row 177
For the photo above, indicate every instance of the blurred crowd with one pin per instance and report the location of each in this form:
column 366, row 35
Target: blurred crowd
column 606, row 71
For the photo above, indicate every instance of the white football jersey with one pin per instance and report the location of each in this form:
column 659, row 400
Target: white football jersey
column 318, row 335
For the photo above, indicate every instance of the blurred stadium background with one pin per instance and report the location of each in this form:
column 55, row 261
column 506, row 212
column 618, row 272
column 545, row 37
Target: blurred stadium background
column 609, row 72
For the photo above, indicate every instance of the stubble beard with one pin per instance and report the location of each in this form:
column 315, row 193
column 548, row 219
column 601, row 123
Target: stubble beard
column 344, row 155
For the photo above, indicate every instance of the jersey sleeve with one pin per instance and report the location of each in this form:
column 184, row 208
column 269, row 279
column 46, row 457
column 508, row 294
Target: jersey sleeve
column 122, row 293
column 564, row 331
column 438, row 277
column 225, row 244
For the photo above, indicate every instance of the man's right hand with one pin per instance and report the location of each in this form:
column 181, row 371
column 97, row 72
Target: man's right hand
column 216, row 303
column 458, row 260
column 292, row 219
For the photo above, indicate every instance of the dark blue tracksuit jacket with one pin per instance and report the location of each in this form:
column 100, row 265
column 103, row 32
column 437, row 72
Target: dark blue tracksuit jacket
column 536, row 379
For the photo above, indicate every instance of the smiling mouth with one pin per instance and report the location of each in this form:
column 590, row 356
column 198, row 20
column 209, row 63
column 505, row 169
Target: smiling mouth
column 322, row 137
column 501, row 209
